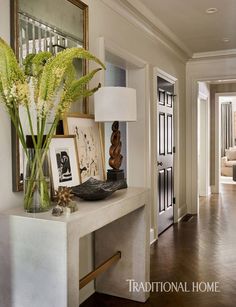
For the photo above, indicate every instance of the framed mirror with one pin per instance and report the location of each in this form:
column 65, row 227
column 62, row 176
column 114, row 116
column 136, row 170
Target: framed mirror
column 46, row 26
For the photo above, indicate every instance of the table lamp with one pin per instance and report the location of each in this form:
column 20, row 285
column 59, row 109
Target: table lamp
column 114, row 104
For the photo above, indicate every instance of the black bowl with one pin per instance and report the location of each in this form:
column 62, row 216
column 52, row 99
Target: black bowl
column 94, row 189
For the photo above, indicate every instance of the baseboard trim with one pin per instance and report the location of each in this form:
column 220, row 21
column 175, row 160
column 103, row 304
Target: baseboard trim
column 182, row 211
column 213, row 189
column 205, row 192
column 86, row 292
column 152, row 236
column 209, row 190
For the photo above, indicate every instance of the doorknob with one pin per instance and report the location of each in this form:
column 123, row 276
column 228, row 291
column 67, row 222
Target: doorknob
column 159, row 163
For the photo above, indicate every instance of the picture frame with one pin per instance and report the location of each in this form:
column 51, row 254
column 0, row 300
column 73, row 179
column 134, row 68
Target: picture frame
column 89, row 144
column 63, row 157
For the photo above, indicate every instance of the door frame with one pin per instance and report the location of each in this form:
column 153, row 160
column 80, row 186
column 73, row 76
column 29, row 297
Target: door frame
column 201, row 97
column 216, row 187
column 157, row 72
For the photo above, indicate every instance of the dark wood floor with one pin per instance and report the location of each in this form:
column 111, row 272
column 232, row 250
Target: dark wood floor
column 200, row 249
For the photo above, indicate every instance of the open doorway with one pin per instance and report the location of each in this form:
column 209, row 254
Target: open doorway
column 216, row 122
column 227, row 138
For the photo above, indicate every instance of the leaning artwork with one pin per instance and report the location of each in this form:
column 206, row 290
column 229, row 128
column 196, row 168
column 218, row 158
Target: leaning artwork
column 89, row 148
column 87, row 151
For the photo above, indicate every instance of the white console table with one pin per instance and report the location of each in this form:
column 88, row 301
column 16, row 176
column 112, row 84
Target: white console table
column 39, row 253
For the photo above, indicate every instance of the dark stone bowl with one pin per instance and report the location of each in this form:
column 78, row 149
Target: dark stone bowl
column 94, row 189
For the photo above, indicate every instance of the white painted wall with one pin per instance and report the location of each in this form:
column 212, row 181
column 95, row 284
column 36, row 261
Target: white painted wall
column 104, row 21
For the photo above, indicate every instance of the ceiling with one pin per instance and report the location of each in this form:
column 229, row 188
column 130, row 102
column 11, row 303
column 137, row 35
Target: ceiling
column 188, row 21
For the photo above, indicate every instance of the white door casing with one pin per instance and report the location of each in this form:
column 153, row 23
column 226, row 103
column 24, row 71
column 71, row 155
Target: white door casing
column 204, row 144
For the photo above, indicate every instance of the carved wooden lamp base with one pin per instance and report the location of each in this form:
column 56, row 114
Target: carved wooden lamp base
column 116, row 158
column 119, row 103
column 117, row 175
column 114, row 175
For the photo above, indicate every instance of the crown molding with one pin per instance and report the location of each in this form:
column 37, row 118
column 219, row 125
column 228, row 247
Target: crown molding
column 139, row 15
column 211, row 54
column 161, row 27
column 218, row 82
column 162, row 34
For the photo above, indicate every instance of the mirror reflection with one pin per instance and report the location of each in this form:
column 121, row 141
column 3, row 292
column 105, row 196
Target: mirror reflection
column 48, row 26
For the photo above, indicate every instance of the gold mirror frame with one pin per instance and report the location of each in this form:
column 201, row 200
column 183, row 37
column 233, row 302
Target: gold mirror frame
column 17, row 184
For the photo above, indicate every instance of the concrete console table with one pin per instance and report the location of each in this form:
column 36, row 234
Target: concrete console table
column 39, row 253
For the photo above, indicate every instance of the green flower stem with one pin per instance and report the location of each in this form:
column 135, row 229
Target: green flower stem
column 32, row 134
column 50, row 135
column 37, row 172
column 37, row 175
column 31, row 126
column 51, row 132
column 41, row 133
column 30, row 184
column 37, row 183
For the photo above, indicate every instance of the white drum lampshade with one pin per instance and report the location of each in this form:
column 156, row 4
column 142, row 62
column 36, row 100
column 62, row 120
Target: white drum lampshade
column 115, row 104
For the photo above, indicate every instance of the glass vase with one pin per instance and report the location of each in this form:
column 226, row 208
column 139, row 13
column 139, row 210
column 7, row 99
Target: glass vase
column 37, row 189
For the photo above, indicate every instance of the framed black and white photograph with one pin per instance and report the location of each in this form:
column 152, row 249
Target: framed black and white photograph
column 64, row 161
column 63, row 165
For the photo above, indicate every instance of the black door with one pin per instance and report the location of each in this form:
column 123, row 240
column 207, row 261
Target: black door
column 165, row 138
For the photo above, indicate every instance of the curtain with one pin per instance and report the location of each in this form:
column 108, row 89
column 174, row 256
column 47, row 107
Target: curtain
column 226, row 127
